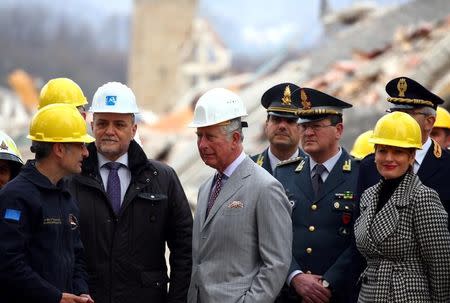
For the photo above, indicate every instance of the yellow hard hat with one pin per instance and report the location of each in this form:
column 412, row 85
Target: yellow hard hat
column 397, row 129
column 59, row 123
column 442, row 118
column 362, row 147
column 61, row 90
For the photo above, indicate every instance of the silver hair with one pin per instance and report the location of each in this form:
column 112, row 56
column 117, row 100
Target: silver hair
column 429, row 111
column 234, row 125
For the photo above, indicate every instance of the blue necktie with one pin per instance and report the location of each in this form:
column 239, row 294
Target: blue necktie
column 113, row 185
column 317, row 179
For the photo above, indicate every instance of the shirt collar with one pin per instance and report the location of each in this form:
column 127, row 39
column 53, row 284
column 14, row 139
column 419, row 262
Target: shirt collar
column 274, row 160
column 420, row 153
column 329, row 164
column 232, row 167
column 122, row 159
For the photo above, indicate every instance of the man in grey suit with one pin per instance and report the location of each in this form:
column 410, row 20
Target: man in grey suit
column 242, row 236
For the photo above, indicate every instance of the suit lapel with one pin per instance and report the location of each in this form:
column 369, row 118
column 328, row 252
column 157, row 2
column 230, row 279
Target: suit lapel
column 232, row 185
column 385, row 222
column 368, row 206
column 203, row 196
column 335, row 177
column 304, row 180
column 430, row 164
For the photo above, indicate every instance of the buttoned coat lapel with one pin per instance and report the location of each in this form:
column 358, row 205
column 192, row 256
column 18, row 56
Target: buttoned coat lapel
column 385, row 222
column 304, row 184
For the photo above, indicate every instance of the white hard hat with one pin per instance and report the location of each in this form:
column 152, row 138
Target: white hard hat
column 114, row 97
column 217, row 105
column 8, row 149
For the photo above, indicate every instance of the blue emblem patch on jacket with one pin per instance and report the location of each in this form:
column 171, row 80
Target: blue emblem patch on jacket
column 12, row 214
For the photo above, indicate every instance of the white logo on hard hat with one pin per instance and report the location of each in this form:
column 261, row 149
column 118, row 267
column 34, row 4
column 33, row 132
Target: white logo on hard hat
column 111, row 100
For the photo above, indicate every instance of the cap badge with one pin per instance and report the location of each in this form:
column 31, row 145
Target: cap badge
column 402, row 86
column 286, row 100
column 4, row 146
column 305, row 102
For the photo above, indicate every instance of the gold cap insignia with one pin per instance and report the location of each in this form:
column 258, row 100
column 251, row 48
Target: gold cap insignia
column 305, row 102
column 402, row 86
column 4, row 146
column 286, row 100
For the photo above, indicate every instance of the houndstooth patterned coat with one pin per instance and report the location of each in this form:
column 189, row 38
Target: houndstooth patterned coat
column 406, row 245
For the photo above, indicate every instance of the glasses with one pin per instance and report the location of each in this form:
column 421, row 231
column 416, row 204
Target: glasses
column 315, row 127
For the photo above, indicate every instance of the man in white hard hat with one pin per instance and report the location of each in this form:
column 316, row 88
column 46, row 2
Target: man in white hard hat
column 242, row 229
column 131, row 207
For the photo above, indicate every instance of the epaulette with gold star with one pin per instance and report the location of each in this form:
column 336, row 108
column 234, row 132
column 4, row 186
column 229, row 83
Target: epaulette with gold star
column 293, row 160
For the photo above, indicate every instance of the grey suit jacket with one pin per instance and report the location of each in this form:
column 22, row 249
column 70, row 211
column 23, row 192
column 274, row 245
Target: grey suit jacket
column 242, row 251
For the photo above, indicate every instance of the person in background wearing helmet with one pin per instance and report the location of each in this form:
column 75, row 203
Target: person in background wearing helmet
column 402, row 230
column 10, row 159
column 441, row 128
column 131, row 207
column 41, row 254
column 242, row 228
column 321, row 187
column 432, row 163
column 63, row 90
column 362, row 147
column 281, row 128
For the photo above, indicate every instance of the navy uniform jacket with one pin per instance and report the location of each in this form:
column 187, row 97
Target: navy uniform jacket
column 323, row 242
column 434, row 172
column 263, row 160
column 41, row 254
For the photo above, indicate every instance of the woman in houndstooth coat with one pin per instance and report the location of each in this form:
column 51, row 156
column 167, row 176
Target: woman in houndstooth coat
column 402, row 230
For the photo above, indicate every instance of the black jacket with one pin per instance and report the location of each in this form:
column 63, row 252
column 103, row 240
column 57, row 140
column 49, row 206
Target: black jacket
column 125, row 253
column 41, row 254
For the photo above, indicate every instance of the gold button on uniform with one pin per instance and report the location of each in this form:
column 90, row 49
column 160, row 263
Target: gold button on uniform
column 336, row 205
column 311, row 228
column 314, row 207
column 308, row 272
column 309, row 250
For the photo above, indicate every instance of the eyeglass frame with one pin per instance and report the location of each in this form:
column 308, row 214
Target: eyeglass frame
column 315, row 128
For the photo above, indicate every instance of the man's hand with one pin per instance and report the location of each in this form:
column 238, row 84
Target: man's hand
column 310, row 288
column 70, row 298
column 87, row 296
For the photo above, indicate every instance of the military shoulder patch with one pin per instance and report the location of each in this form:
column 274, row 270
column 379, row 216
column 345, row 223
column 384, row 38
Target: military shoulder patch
column 288, row 161
column 12, row 214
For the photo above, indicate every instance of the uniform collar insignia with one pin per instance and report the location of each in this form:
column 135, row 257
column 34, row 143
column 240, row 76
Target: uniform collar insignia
column 347, row 167
column 300, row 166
column 437, row 150
column 286, row 100
column 260, row 160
